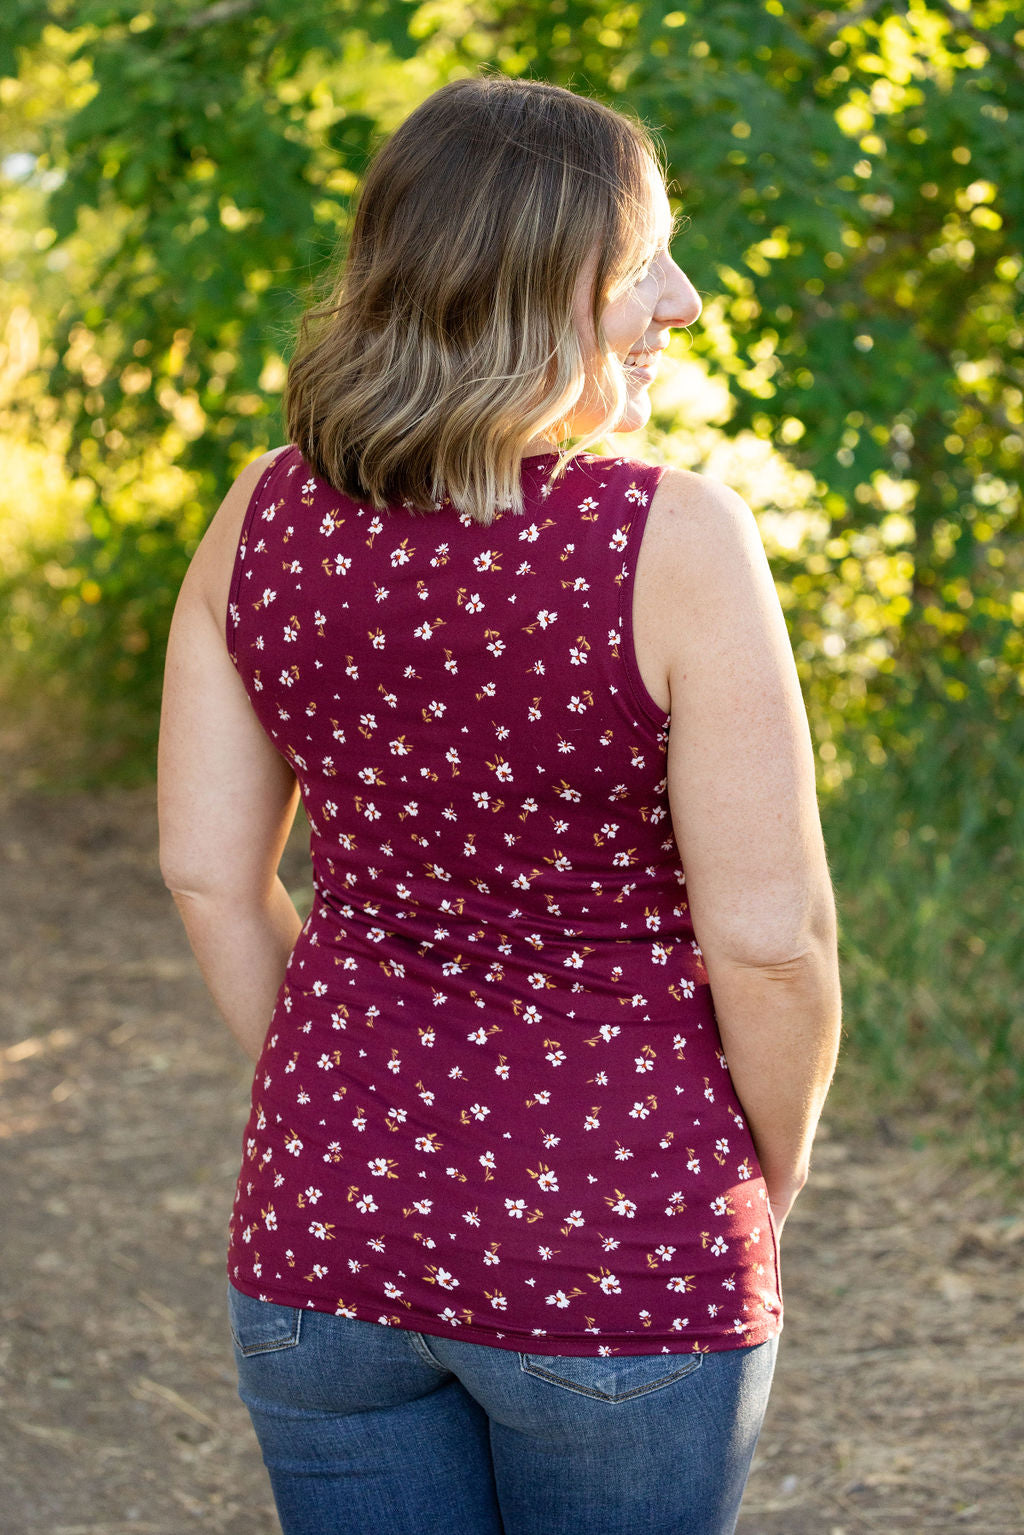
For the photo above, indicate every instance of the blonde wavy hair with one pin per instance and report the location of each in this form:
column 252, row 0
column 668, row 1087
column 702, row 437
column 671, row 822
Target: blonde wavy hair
column 449, row 340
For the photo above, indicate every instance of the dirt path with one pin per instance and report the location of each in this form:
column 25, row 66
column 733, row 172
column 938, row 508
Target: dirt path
column 898, row 1399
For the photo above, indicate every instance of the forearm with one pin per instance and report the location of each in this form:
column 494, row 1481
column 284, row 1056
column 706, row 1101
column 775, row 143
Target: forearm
column 242, row 950
column 780, row 1032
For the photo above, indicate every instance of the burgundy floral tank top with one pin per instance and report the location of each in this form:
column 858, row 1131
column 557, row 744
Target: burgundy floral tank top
column 492, row 1101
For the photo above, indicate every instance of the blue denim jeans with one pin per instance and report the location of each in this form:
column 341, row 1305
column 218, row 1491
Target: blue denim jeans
column 366, row 1427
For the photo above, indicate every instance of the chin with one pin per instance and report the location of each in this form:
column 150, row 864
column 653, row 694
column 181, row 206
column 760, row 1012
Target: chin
column 636, row 415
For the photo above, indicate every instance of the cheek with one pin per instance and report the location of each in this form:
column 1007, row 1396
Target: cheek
column 627, row 319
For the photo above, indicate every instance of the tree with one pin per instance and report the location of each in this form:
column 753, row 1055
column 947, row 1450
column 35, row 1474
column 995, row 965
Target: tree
column 852, row 180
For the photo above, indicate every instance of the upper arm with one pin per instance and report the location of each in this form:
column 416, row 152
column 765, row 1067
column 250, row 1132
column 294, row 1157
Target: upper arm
column 740, row 761
column 226, row 796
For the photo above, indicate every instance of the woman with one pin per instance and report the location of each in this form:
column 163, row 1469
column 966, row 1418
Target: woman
column 504, row 1252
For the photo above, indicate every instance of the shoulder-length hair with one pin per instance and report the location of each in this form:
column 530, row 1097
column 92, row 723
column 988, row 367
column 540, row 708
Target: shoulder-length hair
column 449, row 340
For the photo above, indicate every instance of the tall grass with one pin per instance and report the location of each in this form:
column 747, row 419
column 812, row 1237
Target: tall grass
column 927, row 853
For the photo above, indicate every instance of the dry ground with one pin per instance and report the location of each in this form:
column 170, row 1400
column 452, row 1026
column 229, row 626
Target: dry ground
column 897, row 1406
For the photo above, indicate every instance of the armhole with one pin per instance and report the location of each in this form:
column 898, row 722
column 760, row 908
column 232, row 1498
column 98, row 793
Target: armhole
column 231, row 624
column 638, row 522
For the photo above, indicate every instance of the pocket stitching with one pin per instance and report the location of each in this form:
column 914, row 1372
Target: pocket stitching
column 693, row 1364
column 270, row 1345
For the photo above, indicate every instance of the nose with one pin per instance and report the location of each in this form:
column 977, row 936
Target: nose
column 680, row 303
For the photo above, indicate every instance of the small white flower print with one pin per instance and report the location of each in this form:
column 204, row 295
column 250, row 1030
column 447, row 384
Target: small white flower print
column 546, row 618
column 321, row 1230
column 559, row 1299
column 719, row 1246
column 516, row 1208
column 449, row 1316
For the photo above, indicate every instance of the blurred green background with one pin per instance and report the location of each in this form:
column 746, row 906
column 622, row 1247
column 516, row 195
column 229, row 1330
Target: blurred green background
column 174, row 180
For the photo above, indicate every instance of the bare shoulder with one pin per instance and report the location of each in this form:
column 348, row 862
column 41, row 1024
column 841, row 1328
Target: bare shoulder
column 209, row 575
column 226, row 523
column 699, row 518
column 699, row 534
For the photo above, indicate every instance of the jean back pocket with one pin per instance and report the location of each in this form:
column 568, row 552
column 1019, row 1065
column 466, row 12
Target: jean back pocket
column 261, row 1326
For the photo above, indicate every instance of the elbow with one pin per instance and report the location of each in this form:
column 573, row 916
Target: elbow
column 188, row 879
column 210, row 885
column 180, row 870
column 779, row 945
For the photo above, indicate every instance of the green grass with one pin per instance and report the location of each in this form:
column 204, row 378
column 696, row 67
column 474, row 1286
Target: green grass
column 928, row 859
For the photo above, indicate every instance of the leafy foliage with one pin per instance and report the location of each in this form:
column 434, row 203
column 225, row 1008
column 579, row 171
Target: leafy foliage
column 853, row 181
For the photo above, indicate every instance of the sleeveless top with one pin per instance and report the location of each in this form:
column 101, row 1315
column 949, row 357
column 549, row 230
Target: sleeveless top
column 492, row 1101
